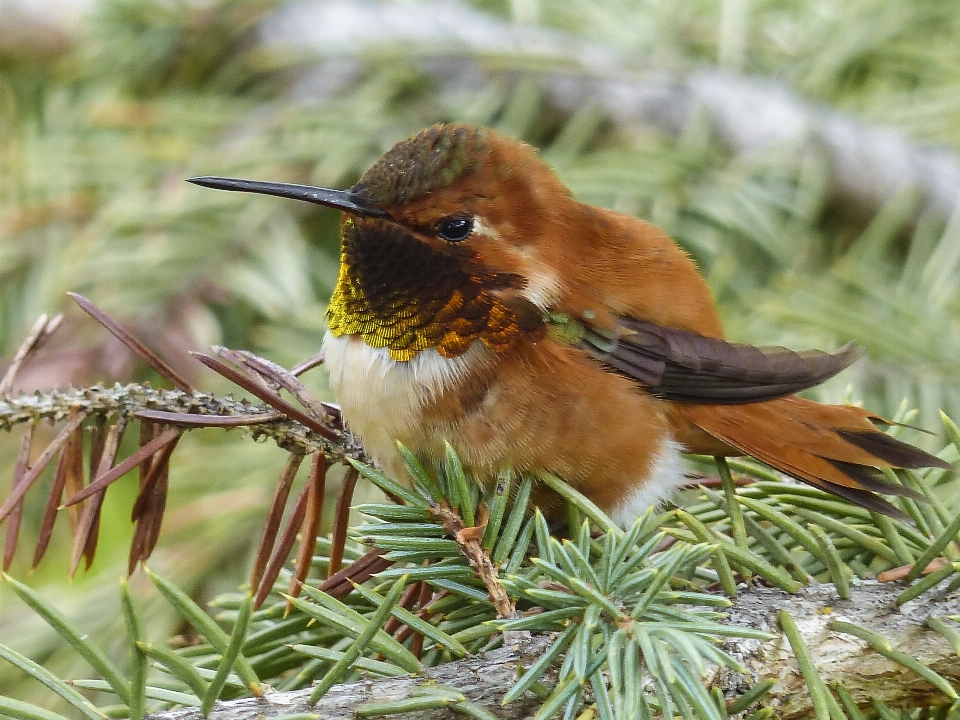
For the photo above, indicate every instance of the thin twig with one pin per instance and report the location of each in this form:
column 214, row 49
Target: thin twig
column 468, row 540
column 311, row 362
column 270, row 398
column 133, row 398
column 31, row 476
column 340, row 520
column 41, row 331
column 236, row 358
column 426, row 594
column 148, row 431
column 19, row 470
column 73, row 468
column 137, row 347
column 195, row 420
column 126, row 466
column 316, row 486
column 85, row 540
column 281, row 377
column 899, row 573
column 282, row 550
column 272, row 526
column 149, row 506
column 359, row 571
column 157, row 469
column 406, row 601
column 97, row 441
column 50, row 511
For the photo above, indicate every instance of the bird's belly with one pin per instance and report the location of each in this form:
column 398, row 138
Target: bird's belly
column 385, row 400
column 539, row 412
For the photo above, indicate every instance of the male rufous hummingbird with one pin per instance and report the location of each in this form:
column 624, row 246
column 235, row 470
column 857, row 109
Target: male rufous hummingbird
column 479, row 303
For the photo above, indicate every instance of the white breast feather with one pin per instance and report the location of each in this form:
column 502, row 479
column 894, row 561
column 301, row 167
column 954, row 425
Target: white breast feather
column 382, row 398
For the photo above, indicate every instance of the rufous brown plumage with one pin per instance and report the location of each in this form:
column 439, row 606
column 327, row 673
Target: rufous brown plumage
column 480, row 304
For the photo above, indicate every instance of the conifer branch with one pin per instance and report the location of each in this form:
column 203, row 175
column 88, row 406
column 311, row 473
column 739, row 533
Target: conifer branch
column 134, row 399
column 842, row 660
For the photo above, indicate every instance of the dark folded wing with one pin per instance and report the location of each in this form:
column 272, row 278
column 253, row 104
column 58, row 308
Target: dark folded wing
column 687, row 367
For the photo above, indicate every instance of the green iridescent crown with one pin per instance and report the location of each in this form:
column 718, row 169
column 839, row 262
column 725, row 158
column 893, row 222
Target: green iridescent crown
column 432, row 159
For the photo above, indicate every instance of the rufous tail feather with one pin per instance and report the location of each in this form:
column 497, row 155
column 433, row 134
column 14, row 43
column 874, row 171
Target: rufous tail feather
column 837, row 448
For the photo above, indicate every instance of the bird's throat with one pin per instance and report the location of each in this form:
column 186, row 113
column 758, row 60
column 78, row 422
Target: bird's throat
column 398, row 293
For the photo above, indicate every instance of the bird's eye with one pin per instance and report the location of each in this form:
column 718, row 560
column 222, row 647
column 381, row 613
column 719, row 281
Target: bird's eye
column 456, row 228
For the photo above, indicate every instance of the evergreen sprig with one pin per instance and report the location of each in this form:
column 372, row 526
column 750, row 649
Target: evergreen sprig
column 99, row 132
column 634, row 614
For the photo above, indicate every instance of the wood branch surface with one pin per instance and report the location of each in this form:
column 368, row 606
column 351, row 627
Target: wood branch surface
column 483, row 679
column 870, row 164
column 842, row 659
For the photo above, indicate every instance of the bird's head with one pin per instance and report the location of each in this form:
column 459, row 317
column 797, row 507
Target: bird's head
column 473, row 199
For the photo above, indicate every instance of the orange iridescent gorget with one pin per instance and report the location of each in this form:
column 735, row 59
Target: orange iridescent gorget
column 399, row 294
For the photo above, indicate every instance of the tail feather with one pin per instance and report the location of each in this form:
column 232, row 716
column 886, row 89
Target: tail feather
column 891, row 450
column 834, row 447
column 863, row 498
column 872, row 480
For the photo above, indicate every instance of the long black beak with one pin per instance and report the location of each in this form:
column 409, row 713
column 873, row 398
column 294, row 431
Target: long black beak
column 339, row 199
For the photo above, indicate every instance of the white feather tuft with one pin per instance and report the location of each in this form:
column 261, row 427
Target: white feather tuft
column 666, row 475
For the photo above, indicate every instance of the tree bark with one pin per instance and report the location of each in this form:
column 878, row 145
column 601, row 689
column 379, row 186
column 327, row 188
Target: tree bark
column 483, row 679
column 841, row 659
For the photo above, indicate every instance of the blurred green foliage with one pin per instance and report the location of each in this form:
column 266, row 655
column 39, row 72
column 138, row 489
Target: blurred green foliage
column 99, row 125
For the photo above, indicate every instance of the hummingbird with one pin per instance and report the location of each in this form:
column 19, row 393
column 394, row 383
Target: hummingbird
column 479, row 304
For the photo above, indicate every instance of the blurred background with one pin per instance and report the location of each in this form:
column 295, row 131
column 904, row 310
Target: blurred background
column 805, row 152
